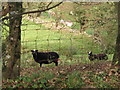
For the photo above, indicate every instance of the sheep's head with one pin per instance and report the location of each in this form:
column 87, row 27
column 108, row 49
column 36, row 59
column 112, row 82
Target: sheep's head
column 90, row 53
column 34, row 51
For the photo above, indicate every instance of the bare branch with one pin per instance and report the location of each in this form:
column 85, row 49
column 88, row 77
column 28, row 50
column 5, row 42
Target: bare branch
column 38, row 11
column 49, row 4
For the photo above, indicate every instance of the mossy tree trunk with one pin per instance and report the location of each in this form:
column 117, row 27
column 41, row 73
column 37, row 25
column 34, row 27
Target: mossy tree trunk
column 13, row 43
column 116, row 57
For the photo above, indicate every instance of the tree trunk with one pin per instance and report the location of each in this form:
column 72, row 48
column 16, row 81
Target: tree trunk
column 0, row 56
column 13, row 44
column 116, row 57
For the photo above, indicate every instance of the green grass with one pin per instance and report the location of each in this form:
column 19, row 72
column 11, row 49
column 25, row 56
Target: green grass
column 76, row 79
column 71, row 48
column 76, row 26
column 36, row 80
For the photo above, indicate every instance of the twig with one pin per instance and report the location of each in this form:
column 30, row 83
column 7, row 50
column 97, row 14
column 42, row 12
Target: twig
column 20, row 14
column 49, row 4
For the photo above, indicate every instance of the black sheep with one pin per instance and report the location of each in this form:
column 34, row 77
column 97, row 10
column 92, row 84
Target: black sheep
column 97, row 56
column 91, row 56
column 45, row 57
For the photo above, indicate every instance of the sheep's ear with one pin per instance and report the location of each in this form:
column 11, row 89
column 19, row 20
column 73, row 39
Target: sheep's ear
column 36, row 50
column 89, row 52
column 31, row 50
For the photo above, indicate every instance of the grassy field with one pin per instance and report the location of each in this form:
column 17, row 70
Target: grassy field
column 75, row 70
column 72, row 48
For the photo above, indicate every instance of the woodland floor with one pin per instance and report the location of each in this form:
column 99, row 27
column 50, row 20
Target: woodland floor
column 93, row 75
column 96, row 67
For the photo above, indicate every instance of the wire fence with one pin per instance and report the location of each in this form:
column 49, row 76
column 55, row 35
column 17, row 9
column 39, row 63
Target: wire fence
column 53, row 35
column 68, row 43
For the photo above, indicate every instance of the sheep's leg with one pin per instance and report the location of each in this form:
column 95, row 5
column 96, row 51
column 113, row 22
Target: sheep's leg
column 91, row 58
column 101, row 58
column 40, row 64
column 56, row 63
